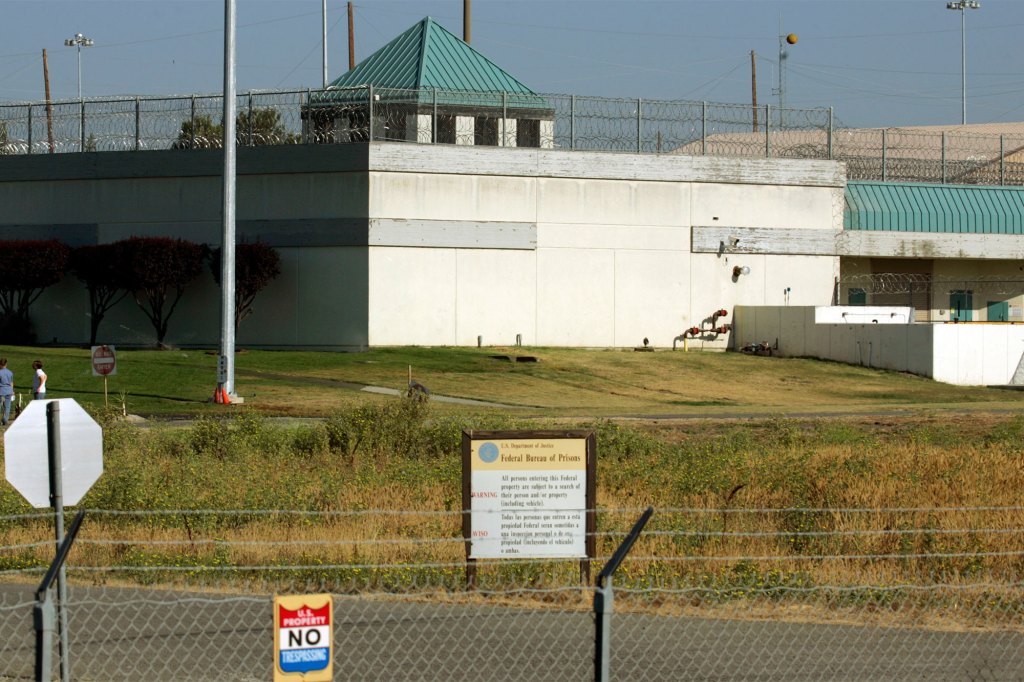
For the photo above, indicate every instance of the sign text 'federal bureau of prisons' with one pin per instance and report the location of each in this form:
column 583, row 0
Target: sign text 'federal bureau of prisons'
column 528, row 493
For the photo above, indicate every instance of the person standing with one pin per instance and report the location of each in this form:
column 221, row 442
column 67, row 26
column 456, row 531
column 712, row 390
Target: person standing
column 38, row 381
column 6, row 390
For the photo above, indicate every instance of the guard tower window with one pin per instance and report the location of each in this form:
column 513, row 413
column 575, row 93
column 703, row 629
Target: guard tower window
column 528, row 133
column 486, row 131
column 445, row 129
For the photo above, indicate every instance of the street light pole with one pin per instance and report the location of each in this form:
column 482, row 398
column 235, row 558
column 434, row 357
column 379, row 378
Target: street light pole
column 79, row 41
column 963, row 6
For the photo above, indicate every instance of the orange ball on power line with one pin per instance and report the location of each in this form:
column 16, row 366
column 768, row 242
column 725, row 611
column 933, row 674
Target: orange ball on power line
column 791, row 39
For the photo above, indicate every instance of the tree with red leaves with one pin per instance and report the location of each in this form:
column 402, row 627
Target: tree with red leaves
column 255, row 266
column 101, row 268
column 26, row 269
column 156, row 271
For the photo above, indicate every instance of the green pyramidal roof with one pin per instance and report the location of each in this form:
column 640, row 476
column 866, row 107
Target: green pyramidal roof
column 430, row 60
column 428, row 56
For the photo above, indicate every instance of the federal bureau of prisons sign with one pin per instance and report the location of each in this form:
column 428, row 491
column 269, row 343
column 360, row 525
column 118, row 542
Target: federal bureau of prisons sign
column 303, row 636
column 528, row 494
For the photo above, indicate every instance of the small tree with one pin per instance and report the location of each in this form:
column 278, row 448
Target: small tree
column 200, row 133
column 264, row 128
column 157, row 270
column 255, row 266
column 26, row 269
column 101, row 269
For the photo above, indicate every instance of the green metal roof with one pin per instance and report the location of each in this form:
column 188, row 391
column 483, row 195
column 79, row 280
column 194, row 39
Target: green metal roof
column 427, row 58
column 912, row 207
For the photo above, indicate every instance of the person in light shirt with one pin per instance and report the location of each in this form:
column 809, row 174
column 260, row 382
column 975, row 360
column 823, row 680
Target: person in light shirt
column 38, row 381
column 6, row 390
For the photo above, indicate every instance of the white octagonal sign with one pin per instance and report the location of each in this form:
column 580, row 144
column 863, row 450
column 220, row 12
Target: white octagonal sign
column 26, row 453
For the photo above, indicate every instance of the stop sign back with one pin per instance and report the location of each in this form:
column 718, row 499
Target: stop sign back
column 104, row 361
column 26, row 450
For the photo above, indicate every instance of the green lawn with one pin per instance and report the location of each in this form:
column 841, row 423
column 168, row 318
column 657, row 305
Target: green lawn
column 564, row 382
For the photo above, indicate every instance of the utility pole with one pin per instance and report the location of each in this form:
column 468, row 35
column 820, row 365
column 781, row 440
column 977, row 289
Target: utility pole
column 467, row 14
column 49, row 103
column 351, row 39
column 753, row 85
column 323, row 7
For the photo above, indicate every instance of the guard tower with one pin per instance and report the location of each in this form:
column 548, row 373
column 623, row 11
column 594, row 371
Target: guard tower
column 428, row 86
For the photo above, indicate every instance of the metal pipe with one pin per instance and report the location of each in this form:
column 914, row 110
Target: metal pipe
column 57, row 502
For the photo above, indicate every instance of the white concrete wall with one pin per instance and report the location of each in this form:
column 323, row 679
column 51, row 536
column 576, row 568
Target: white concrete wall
column 612, row 263
column 963, row 354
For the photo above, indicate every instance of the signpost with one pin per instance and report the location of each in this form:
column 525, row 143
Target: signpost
column 528, row 495
column 34, row 465
column 303, row 638
column 104, row 363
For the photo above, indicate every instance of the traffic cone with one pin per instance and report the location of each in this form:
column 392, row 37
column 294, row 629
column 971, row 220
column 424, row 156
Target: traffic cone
column 224, row 396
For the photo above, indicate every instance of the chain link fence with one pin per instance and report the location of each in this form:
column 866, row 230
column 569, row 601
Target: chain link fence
column 717, row 593
column 511, row 119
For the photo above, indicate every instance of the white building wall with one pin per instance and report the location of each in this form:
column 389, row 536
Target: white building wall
column 963, row 354
column 611, row 264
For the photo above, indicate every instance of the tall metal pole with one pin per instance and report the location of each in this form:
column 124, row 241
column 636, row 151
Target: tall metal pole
column 323, row 6
column 963, row 63
column 79, row 72
column 962, row 6
column 467, row 21
column 226, row 366
column 753, row 86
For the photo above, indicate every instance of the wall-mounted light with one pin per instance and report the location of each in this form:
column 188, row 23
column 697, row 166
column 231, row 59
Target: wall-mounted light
column 740, row 270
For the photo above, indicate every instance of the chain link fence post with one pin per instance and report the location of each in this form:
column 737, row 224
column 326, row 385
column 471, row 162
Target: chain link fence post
column 604, row 600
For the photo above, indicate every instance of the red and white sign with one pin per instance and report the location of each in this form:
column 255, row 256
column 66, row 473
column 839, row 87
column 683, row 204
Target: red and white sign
column 104, row 361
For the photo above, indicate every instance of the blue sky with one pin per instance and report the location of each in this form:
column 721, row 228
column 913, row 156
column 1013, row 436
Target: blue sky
column 878, row 63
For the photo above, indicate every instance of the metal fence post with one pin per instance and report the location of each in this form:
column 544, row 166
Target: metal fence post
column 433, row 123
column 767, row 130
column 884, row 151
column 604, row 600
column 943, row 157
column 1002, row 161
column 29, row 136
column 44, row 614
column 369, row 132
column 504, row 118
column 639, row 125
column 831, row 122
column 81, row 127
column 572, row 122
column 703, row 128
column 249, row 136
column 138, row 123
column 192, row 124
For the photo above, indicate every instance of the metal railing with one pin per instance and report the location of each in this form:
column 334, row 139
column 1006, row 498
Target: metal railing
column 723, row 593
column 569, row 122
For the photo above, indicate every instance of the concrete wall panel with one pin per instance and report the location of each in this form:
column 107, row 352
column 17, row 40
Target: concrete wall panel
column 576, row 297
column 496, row 297
column 412, row 296
column 651, row 295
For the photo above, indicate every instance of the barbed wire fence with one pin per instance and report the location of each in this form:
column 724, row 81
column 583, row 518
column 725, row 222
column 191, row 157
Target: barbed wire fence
column 723, row 593
column 930, row 295
column 555, row 121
